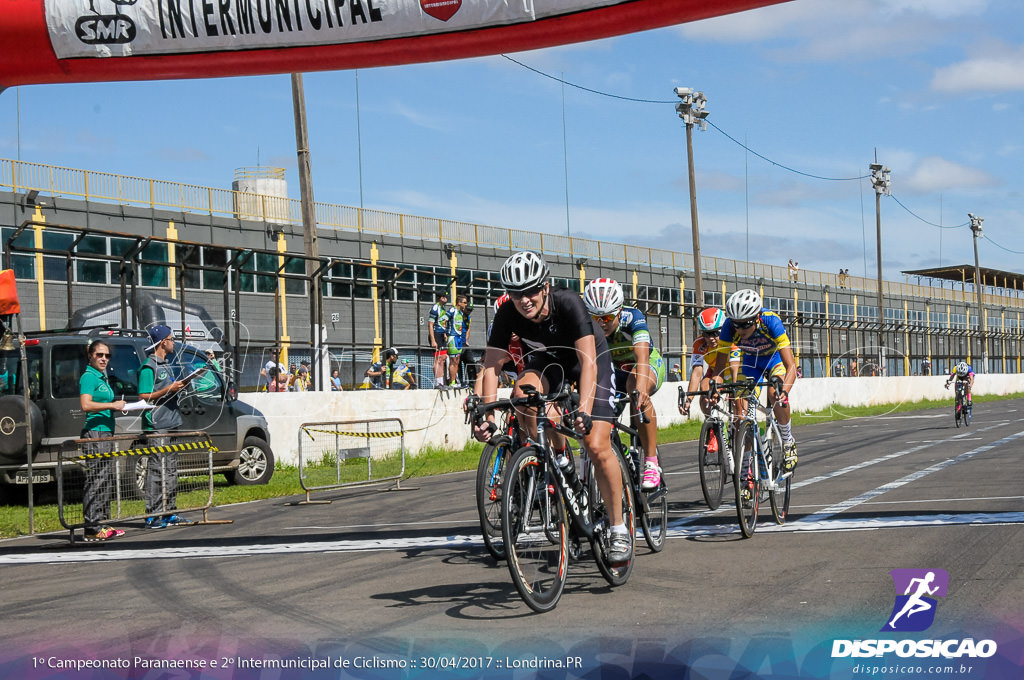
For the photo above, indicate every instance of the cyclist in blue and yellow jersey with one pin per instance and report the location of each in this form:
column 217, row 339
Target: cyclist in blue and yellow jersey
column 963, row 372
column 764, row 350
column 438, row 336
column 402, row 377
column 638, row 364
column 457, row 329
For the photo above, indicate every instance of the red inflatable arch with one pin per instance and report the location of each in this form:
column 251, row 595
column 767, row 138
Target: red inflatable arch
column 64, row 41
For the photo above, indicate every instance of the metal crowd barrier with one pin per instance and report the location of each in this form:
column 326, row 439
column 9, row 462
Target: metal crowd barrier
column 339, row 454
column 117, row 476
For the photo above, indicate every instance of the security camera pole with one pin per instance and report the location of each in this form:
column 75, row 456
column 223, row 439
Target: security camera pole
column 881, row 182
column 982, row 325
column 691, row 110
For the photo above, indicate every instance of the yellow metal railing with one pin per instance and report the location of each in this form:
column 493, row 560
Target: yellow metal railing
column 21, row 176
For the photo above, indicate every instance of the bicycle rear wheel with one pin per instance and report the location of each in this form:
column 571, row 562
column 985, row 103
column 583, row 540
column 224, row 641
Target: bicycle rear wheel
column 615, row 574
column 653, row 511
column 779, row 496
column 711, row 463
column 489, row 474
column 534, row 531
column 746, row 481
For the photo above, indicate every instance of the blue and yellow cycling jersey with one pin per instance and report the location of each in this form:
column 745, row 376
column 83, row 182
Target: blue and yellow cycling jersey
column 759, row 354
column 632, row 330
column 437, row 317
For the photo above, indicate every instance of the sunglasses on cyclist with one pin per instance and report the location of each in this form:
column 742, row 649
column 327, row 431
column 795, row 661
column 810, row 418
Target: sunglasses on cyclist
column 710, row 334
column 520, row 294
column 102, row 355
column 605, row 318
column 744, row 324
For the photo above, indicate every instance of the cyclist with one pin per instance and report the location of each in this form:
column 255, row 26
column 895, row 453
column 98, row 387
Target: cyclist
column 402, row 377
column 764, row 350
column 638, row 364
column 437, row 334
column 563, row 345
column 963, row 372
column 709, row 323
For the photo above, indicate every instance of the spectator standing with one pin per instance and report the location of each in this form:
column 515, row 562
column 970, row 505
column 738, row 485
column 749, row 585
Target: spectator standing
column 438, row 336
column 926, row 367
column 676, row 374
column 97, row 401
column 301, row 382
column 402, row 377
column 158, row 386
column 335, row 381
column 457, row 330
column 265, row 373
column 379, row 372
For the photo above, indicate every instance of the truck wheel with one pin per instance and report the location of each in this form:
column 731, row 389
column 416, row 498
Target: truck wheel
column 255, row 463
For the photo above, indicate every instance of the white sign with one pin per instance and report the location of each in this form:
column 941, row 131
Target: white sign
column 123, row 28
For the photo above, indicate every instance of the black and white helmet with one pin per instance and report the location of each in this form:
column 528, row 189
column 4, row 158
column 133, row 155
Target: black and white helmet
column 962, row 369
column 743, row 304
column 522, row 271
column 603, row 296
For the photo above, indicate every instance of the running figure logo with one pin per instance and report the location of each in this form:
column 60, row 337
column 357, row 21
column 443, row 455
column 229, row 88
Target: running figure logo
column 914, row 609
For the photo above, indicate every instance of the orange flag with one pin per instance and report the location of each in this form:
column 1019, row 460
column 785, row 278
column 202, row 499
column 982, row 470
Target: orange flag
column 9, row 293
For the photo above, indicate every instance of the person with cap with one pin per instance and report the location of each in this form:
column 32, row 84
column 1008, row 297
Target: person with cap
column 402, row 377
column 676, row 374
column 379, row 372
column 158, row 386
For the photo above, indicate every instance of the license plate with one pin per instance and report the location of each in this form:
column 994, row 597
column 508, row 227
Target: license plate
column 37, row 477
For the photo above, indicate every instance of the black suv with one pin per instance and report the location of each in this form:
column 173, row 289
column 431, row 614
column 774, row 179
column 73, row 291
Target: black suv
column 55, row 364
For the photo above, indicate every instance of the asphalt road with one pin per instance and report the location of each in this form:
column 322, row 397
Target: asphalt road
column 401, row 577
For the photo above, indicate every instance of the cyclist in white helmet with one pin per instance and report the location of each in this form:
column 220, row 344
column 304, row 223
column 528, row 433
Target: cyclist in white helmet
column 764, row 349
column 638, row 364
column 963, row 372
column 562, row 344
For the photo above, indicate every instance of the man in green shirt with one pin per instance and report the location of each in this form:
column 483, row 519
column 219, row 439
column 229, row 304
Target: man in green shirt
column 158, row 386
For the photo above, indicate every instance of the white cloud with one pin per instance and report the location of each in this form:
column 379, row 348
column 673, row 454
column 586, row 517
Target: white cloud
column 991, row 73
column 936, row 174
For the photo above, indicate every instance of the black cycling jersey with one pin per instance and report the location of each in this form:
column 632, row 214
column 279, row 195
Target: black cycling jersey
column 549, row 347
column 567, row 322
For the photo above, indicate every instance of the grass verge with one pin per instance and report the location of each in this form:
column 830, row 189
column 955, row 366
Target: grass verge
column 433, row 461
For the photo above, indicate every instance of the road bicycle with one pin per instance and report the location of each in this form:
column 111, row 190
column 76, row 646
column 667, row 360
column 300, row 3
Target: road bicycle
column 714, row 457
column 961, row 408
column 546, row 507
column 758, row 456
column 651, row 505
column 490, row 471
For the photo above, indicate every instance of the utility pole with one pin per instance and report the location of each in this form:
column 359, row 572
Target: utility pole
column 881, row 183
column 311, row 246
column 692, row 110
column 982, row 324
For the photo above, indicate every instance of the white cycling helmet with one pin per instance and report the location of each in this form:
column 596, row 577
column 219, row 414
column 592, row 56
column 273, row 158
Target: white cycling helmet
column 743, row 304
column 522, row 271
column 603, row 296
column 710, row 319
column 962, row 369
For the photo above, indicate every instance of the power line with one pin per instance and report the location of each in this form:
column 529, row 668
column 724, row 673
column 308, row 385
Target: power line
column 989, row 239
column 937, row 226
column 587, row 89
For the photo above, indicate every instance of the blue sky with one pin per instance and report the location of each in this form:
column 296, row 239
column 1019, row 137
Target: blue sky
column 935, row 86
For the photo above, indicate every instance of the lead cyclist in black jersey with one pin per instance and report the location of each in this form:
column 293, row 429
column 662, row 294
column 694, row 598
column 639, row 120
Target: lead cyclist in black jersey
column 561, row 344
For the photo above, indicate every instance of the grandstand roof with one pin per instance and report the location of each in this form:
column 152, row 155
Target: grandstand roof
column 965, row 273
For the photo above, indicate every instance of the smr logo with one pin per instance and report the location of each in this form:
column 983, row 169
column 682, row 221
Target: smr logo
column 106, row 29
column 916, row 592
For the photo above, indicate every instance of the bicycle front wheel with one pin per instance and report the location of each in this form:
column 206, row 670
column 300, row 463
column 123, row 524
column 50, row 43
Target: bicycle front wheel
column 615, row 574
column 653, row 511
column 711, row 463
column 534, row 531
column 746, row 481
column 778, row 496
column 489, row 473
column 967, row 415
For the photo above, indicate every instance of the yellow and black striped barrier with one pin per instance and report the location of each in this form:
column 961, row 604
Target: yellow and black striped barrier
column 369, row 435
column 150, row 450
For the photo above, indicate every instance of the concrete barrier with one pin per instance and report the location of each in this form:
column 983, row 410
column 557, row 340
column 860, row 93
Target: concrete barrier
column 434, row 418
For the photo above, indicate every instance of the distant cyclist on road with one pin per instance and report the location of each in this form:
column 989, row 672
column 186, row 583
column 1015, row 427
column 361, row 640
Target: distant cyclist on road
column 758, row 334
column 562, row 344
column 963, row 372
column 638, row 364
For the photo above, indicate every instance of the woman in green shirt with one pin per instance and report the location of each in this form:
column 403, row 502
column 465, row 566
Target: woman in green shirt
column 97, row 401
